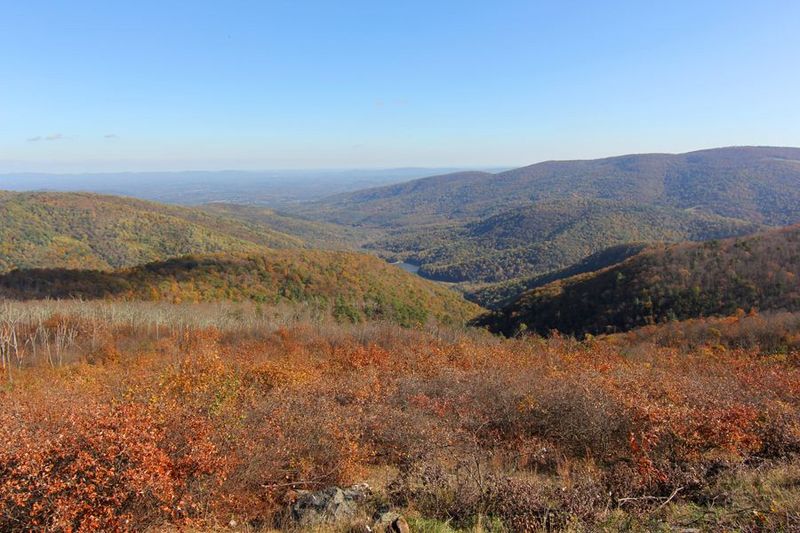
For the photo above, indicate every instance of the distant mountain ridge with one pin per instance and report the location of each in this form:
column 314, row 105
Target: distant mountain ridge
column 759, row 184
column 313, row 233
column 278, row 187
column 391, row 204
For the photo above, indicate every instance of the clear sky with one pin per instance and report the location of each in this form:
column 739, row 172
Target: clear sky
column 161, row 85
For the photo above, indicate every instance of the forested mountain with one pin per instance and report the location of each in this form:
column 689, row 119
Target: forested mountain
column 409, row 203
column 498, row 295
column 665, row 283
column 477, row 228
column 350, row 285
column 81, row 230
column 549, row 235
column 760, row 184
column 314, row 233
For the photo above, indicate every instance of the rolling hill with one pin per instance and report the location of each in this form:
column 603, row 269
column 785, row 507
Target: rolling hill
column 549, row 235
column 314, row 233
column 759, row 184
column 81, row 230
column 662, row 283
column 352, row 286
column 478, row 229
column 498, row 295
column 413, row 202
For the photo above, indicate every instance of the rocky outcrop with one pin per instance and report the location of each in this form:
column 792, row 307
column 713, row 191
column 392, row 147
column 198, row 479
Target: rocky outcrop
column 353, row 505
column 330, row 505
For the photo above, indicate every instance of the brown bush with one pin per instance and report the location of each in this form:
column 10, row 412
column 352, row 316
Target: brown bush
column 198, row 423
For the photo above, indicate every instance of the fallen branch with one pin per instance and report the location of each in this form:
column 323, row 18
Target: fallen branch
column 674, row 492
column 666, row 499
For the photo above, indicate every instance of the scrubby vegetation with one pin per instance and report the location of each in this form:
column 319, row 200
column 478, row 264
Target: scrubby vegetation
column 665, row 283
column 127, row 416
column 353, row 286
column 770, row 333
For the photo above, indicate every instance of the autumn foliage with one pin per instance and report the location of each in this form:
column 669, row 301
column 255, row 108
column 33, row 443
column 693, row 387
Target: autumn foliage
column 192, row 425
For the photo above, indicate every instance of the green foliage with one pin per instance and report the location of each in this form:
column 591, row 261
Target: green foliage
column 536, row 240
column 344, row 311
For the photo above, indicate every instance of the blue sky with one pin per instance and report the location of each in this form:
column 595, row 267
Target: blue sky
column 101, row 86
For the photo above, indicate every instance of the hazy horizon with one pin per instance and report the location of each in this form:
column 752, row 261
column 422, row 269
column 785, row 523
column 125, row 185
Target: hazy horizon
column 4, row 172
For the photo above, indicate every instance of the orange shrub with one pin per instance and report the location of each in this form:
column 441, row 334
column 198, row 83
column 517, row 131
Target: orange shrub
column 202, row 423
column 83, row 465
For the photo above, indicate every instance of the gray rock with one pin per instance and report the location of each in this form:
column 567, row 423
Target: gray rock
column 330, row 505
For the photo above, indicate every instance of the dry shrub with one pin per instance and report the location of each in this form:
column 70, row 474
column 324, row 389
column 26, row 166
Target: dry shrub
column 768, row 333
column 534, row 432
column 85, row 466
column 470, row 488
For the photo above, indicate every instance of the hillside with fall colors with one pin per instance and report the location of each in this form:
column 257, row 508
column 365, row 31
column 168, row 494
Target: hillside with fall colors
column 547, row 236
column 755, row 183
column 494, row 232
column 82, row 230
column 663, row 283
column 353, row 287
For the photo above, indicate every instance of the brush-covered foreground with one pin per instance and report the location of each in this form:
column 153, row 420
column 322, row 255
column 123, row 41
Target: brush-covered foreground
column 132, row 416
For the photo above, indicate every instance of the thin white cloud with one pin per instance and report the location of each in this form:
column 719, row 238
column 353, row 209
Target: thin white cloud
column 51, row 137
